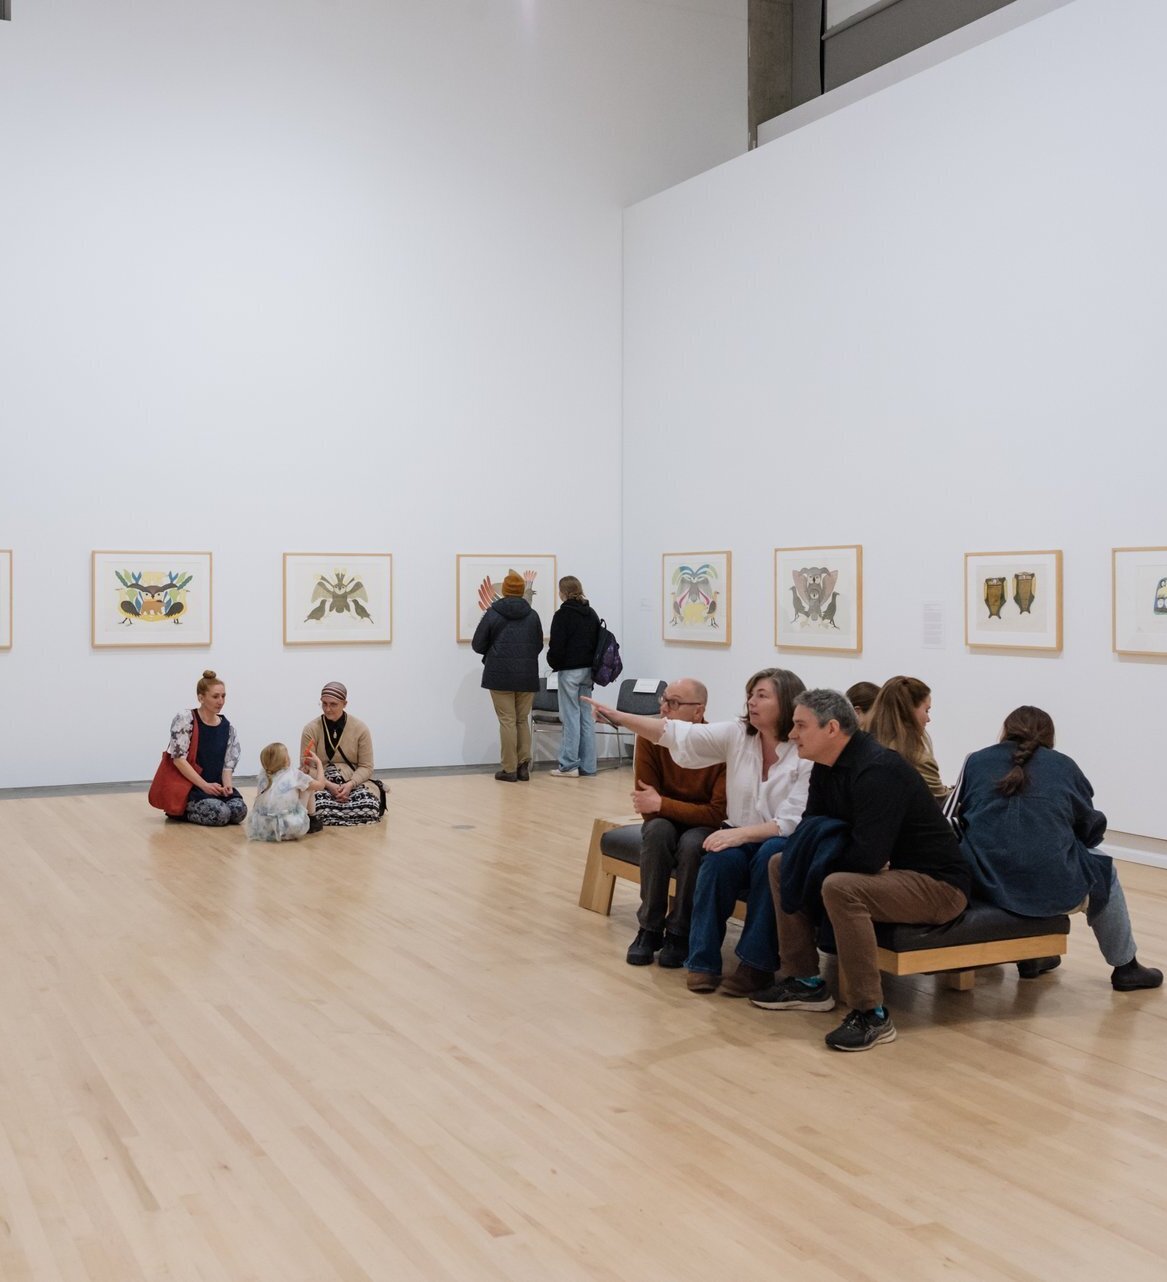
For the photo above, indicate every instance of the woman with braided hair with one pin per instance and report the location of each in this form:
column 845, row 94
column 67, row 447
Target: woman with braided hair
column 1029, row 830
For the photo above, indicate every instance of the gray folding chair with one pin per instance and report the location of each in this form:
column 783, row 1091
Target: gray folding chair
column 645, row 704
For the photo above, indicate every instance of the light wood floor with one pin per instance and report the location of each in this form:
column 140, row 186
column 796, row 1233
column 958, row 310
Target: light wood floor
column 405, row 1053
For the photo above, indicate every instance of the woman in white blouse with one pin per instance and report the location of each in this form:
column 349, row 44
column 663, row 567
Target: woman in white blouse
column 766, row 787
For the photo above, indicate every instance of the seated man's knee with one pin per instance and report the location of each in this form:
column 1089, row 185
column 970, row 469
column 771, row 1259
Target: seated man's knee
column 838, row 887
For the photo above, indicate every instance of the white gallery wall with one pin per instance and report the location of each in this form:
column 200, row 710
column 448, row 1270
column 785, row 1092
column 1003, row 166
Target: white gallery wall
column 931, row 323
column 319, row 275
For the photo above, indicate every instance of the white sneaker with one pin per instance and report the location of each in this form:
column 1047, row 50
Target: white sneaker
column 564, row 774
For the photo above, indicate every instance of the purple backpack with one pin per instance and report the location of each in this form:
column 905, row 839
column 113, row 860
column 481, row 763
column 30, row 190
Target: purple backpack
column 607, row 664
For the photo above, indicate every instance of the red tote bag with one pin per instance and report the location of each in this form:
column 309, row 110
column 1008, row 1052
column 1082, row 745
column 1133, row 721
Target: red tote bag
column 169, row 790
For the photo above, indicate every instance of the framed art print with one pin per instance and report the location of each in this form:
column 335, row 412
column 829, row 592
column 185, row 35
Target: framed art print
column 5, row 599
column 1013, row 600
column 338, row 598
column 143, row 599
column 696, row 597
column 479, row 585
column 818, row 599
column 1139, row 601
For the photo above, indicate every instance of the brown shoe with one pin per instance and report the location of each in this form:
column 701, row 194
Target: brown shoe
column 701, row 981
column 746, row 980
column 524, row 772
column 506, row 776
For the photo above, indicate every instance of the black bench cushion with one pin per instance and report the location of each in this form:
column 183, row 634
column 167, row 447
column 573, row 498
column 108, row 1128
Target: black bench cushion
column 980, row 923
column 622, row 843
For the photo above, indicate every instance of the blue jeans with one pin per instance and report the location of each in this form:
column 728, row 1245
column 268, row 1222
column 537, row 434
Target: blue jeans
column 725, row 876
column 578, row 748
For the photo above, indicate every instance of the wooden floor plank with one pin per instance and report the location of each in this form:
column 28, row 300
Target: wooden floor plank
column 406, row 1053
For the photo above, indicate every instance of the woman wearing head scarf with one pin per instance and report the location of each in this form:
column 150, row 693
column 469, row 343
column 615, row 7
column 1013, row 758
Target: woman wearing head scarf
column 350, row 795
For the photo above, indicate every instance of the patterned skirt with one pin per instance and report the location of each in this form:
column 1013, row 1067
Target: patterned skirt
column 362, row 807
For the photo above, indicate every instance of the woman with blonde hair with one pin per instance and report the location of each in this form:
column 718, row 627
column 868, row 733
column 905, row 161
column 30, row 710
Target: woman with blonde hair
column 285, row 804
column 898, row 719
column 214, row 800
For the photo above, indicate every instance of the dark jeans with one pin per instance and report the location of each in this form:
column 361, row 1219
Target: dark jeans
column 725, row 877
column 668, row 849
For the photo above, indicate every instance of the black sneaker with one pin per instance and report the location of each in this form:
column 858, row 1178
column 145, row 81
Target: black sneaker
column 642, row 948
column 794, row 994
column 1037, row 966
column 676, row 950
column 315, row 824
column 860, row 1031
column 1128, row 978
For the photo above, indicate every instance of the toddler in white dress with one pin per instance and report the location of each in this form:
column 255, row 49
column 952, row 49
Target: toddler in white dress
column 285, row 804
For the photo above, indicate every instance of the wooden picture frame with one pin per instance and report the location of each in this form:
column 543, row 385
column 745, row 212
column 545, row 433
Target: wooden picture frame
column 145, row 600
column 697, row 598
column 1013, row 600
column 1138, row 601
column 338, row 598
column 818, row 599
column 478, row 581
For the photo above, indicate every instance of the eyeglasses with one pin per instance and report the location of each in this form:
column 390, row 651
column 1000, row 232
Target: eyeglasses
column 667, row 701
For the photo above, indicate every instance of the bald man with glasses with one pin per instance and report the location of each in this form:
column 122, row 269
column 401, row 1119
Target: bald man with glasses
column 680, row 808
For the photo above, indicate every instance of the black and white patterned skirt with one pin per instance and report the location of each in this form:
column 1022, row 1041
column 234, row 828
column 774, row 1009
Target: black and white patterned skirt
column 362, row 807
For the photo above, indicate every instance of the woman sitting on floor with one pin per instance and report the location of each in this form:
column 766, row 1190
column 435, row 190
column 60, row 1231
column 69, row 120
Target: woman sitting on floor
column 214, row 800
column 898, row 719
column 350, row 795
column 1029, row 829
column 766, row 786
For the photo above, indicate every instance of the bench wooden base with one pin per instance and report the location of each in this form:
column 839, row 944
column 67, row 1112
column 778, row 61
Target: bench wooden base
column 957, row 964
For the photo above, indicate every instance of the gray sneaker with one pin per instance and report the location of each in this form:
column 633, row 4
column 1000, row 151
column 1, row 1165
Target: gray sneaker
column 794, row 994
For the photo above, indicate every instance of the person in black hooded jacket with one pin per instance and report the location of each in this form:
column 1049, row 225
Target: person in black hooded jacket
column 509, row 637
column 575, row 632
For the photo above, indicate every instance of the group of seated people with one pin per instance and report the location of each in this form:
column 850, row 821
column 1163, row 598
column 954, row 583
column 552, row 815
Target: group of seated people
column 821, row 808
column 341, row 790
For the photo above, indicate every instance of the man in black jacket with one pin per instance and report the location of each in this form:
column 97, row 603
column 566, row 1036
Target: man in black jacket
column 901, row 863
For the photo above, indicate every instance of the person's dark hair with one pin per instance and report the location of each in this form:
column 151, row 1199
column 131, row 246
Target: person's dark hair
column 893, row 718
column 572, row 588
column 862, row 695
column 787, row 687
column 827, row 706
column 1029, row 728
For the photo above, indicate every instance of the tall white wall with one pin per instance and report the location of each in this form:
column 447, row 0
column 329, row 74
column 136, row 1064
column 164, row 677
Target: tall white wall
column 319, row 275
column 931, row 323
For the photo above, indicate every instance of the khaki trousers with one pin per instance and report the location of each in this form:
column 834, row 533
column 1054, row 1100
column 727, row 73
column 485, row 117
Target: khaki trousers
column 855, row 901
column 513, row 710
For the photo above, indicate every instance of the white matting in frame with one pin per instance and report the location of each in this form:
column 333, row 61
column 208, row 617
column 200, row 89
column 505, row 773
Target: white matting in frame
column 1139, row 601
column 479, row 584
column 5, row 599
column 144, row 599
column 338, row 598
column 818, row 599
column 696, row 597
column 1013, row 600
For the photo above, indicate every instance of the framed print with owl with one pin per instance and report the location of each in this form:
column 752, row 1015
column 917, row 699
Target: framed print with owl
column 1013, row 600
column 1139, row 601
column 338, row 598
column 818, row 599
column 5, row 599
column 480, row 585
column 144, row 599
column 696, row 597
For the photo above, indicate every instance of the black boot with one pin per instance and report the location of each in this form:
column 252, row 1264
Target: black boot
column 1037, row 966
column 1125, row 979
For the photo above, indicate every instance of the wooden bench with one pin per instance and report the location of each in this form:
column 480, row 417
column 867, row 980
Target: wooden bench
column 981, row 936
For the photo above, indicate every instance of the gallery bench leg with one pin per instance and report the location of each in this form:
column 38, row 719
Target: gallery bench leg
column 598, row 886
column 961, row 980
